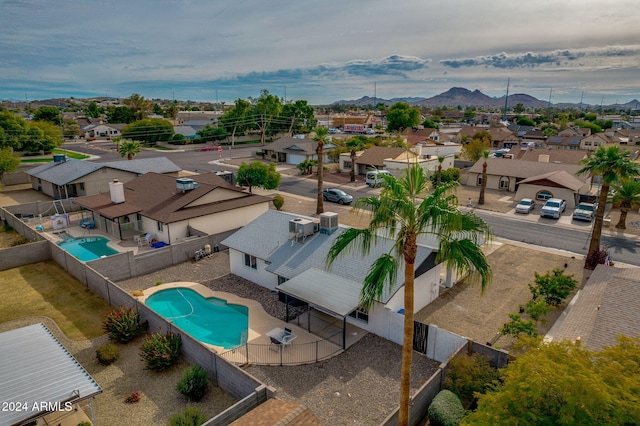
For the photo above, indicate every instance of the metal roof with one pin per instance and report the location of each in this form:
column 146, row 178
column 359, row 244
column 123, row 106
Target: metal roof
column 320, row 288
column 37, row 369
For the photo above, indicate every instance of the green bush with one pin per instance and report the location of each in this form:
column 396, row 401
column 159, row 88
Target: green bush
column 123, row 324
column 84, row 424
column 107, row 354
column 445, row 409
column 193, row 383
column 278, row 202
column 192, row 416
column 469, row 374
column 554, row 287
column 161, row 351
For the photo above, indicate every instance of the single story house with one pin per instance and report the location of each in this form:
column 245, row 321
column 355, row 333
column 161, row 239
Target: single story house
column 608, row 306
column 294, row 150
column 170, row 209
column 507, row 174
column 558, row 156
column 373, row 158
column 287, row 253
column 563, row 142
column 103, row 130
column 66, row 178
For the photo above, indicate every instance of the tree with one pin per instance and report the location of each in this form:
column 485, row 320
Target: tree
column 402, row 116
column 139, row 106
column 553, row 287
column 93, row 111
column 70, row 128
column 628, row 195
column 9, row 161
column 258, row 174
column 355, row 144
column 42, row 136
column 439, row 174
column 299, row 117
column 430, row 124
column 211, row 132
column 237, row 119
column 49, row 114
column 483, row 185
column 400, row 215
column 480, row 142
column 14, row 130
column 612, row 165
column 129, row 149
column 563, row 383
column 320, row 137
column 120, row 114
column 519, row 109
column 149, row 130
column 266, row 108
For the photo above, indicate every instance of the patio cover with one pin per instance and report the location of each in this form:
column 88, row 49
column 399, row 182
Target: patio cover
column 39, row 373
column 327, row 291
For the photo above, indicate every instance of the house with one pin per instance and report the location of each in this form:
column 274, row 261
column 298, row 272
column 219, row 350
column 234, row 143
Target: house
column 501, row 137
column 187, row 131
column 374, row 157
column 170, row 209
column 563, row 142
column 66, row 178
column 558, row 156
column 506, row 175
column 533, row 137
column 286, row 253
column 294, row 150
column 103, row 130
column 608, row 306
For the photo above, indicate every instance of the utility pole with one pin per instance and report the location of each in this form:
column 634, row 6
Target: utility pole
column 549, row 105
column 506, row 101
column 581, row 98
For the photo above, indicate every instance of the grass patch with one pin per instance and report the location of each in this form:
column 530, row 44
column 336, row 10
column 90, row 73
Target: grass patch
column 69, row 154
column 46, row 289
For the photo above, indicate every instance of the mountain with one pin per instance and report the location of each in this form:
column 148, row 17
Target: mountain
column 368, row 100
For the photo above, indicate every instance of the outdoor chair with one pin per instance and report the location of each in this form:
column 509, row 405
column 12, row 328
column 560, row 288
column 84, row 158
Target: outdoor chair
column 287, row 331
column 275, row 342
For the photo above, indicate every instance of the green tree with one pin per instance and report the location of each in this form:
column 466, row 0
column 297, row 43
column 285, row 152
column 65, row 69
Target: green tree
column 9, row 161
column 474, row 149
column 299, row 116
column 563, row 383
column 70, row 128
column 171, row 111
column 129, row 148
column 237, row 119
column 627, row 193
column 519, row 109
column 157, row 109
column 120, row 114
column 524, row 121
column 139, row 106
column 402, row 116
column 401, row 214
column 439, row 174
column 485, row 155
column 211, row 132
column 553, row 287
column 320, row 138
column 93, row 111
column 49, row 114
column 588, row 125
column 13, row 130
column 42, row 136
column 430, row 124
column 266, row 108
column 258, row 174
column 149, row 130
column 611, row 165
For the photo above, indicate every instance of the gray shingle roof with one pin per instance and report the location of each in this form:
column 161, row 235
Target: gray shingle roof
column 36, row 368
column 297, row 145
column 267, row 238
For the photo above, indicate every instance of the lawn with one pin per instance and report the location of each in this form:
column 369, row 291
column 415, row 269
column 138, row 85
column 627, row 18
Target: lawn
column 44, row 289
column 69, row 154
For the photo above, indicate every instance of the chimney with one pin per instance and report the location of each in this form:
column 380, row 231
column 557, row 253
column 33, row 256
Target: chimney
column 116, row 189
column 543, row 158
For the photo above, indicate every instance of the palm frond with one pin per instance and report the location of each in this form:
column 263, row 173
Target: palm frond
column 465, row 255
column 349, row 241
column 382, row 275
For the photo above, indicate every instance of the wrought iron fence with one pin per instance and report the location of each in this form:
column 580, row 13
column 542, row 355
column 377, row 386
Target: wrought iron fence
column 289, row 354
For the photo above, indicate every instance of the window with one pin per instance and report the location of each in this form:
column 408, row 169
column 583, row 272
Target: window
column 81, row 186
column 544, row 195
column 360, row 315
column 504, row 182
column 479, row 180
column 347, row 164
column 160, row 226
column 250, row 261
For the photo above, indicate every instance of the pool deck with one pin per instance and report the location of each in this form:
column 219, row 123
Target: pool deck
column 260, row 323
column 121, row 246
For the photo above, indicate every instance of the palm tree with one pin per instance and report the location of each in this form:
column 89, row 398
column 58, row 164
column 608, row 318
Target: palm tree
column 400, row 215
column 628, row 195
column 320, row 137
column 483, row 185
column 129, row 148
column 613, row 165
column 440, row 161
column 355, row 143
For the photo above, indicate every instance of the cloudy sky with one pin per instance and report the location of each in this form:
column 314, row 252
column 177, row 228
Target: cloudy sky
column 321, row 51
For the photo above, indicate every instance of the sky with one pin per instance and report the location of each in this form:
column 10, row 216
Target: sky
column 320, row 51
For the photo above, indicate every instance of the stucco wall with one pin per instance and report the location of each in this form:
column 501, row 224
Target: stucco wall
column 259, row 276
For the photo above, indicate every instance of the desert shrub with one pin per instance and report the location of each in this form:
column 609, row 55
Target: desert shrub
column 132, row 398
column 84, row 424
column 107, row 354
column 193, row 383
column 596, row 257
column 161, row 351
column 469, row 374
column 445, row 409
column 191, row 416
column 518, row 326
column 123, row 324
column 554, row 287
column 278, row 202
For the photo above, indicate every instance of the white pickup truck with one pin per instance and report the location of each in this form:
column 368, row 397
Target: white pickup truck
column 553, row 208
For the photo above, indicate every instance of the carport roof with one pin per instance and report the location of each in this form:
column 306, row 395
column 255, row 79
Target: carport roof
column 37, row 369
column 327, row 291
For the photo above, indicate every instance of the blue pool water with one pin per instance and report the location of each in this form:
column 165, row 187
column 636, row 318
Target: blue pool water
column 210, row 320
column 89, row 248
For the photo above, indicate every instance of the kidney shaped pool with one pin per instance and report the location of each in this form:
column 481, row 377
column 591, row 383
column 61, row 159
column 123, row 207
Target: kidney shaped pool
column 210, row 320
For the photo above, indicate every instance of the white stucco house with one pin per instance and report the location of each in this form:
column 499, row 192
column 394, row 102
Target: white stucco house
column 287, row 253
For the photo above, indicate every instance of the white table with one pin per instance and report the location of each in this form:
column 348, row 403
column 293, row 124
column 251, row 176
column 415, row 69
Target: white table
column 281, row 335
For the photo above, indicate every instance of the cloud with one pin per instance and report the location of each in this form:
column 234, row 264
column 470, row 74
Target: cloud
column 519, row 60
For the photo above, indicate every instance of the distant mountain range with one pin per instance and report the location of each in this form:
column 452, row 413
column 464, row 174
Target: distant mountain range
column 458, row 96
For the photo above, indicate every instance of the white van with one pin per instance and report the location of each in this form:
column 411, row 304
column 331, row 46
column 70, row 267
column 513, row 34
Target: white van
column 374, row 177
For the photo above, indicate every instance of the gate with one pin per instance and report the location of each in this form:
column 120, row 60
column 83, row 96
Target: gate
column 420, row 335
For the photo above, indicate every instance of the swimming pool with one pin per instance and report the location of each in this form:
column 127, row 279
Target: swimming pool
column 210, row 320
column 89, row 248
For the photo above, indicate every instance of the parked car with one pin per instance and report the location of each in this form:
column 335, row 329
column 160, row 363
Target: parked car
column 525, row 206
column 554, row 207
column 337, row 196
column 585, row 211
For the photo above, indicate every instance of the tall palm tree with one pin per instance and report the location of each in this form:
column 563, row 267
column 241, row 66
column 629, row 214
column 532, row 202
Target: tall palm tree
column 485, row 155
column 320, row 137
column 440, row 161
column 355, row 143
column 628, row 195
column 612, row 165
column 398, row 214
column 129, row 149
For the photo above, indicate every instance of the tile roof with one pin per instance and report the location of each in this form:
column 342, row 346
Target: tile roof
column 156, row 196
column 267, row 238
column 558, row 177
column 376, row 155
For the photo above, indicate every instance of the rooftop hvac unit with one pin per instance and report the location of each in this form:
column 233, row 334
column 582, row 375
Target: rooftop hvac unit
column 328, row 223
column 59, row 158
column 300, row 228
column 186, row 184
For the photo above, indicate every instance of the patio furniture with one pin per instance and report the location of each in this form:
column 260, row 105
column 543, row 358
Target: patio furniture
column 87, row 223
column 282, row 337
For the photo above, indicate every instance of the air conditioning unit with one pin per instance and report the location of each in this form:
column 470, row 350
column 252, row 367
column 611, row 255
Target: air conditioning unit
column 186, row 184
column 328, row 223
column 300, row 228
